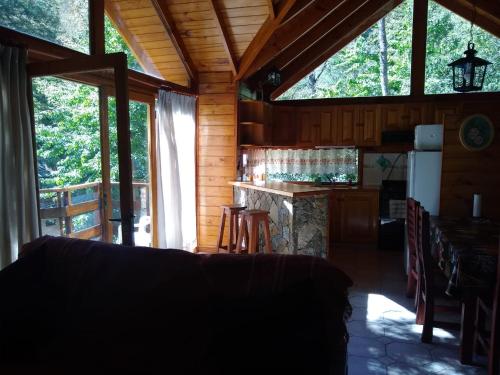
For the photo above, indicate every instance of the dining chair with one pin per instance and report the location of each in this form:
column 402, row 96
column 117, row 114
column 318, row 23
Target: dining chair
column 431, row 284
column 488, row 340
column 411, row 230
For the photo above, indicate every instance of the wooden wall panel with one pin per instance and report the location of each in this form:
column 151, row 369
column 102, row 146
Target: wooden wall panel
column 216, row 152
column 464, row 172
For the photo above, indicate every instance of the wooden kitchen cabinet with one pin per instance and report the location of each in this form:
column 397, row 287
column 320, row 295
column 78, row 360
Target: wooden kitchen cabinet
column 359, row 125
column 396, row 117
column 369, row 131
column 284, row 126
column 316, row 127
column 328, row 128
column 392, row 117
column 347, row 120
column 308, row 128
column 355, row 216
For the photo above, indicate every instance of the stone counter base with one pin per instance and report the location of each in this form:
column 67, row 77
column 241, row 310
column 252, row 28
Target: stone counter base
column 298, row 225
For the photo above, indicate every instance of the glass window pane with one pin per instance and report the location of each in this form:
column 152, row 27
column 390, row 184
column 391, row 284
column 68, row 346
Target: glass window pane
column 68, row 145
column 139, row 120
column 377, row 63
column 114, row 42
column 447, row 38
column 64, row 22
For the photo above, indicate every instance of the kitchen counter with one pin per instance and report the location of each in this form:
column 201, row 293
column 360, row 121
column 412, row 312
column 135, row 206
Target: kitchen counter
column 298, row 215
column 297, row 189
column 286, row 189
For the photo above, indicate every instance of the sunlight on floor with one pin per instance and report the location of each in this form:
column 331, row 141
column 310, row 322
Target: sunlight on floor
column 381, row 307
column 384, row 339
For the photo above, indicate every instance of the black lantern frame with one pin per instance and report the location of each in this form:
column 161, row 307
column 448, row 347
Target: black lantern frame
column 469, row 71
column 273, row 78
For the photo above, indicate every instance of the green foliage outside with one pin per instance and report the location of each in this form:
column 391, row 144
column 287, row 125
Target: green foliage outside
column 68, row 133
column 356, row 70
column 115, row 43
column 447, row 37
column 65, row 22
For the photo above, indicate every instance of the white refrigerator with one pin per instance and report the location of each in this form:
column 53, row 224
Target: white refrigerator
column 423, row 183
column 424, row 179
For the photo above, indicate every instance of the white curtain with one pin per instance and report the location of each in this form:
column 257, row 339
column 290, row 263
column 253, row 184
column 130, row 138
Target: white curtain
column 18, row 203
column 288, row 164
column 176, row 171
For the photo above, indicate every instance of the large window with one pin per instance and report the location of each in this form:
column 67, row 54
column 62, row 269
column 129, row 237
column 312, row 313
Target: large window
column 115, row 43
column 447, row 37
column 65, row 22
column 377, row 63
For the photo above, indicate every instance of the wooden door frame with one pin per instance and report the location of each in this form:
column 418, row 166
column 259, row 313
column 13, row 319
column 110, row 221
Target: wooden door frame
column 150, row 101
column 117, row 63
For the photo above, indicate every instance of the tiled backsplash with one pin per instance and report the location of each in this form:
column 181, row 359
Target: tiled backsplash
column 378, row 167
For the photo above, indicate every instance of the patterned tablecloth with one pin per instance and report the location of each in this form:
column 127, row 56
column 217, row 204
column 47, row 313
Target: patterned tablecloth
column 467, row 252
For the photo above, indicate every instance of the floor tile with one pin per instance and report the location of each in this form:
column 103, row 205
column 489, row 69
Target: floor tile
column 365, row 347
column 363, row 328
column 406, row 369
column 384, row 338
column 409, row 353
column 362, row 365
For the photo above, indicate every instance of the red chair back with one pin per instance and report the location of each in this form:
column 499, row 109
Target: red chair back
column 494, row 357
column 411, row 226
column 424, row 255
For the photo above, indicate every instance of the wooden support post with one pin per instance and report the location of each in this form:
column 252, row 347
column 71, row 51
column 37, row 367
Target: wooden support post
column 107, row 206
column 418, row 53
column 124, row 150
column 153, row 197
column 67, row 219
column 96, row 27
column 60, row 204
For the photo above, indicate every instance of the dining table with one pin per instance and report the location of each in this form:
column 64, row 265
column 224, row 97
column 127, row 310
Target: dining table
column 466, row 250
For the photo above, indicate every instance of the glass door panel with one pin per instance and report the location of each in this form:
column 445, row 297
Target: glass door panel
column 67, row 132
column 139, row 125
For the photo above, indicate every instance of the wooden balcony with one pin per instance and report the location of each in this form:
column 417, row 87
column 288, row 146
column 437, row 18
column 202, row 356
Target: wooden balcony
column 78, row 211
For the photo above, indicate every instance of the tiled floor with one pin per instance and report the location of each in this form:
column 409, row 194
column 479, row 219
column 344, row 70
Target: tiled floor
column 384, row 338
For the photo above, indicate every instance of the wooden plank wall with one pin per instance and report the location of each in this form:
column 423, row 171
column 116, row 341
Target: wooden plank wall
column 464, row 172
column 216, row 152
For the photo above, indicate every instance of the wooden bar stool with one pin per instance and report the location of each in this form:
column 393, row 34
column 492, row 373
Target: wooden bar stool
column 233, row 211
column 250, row 220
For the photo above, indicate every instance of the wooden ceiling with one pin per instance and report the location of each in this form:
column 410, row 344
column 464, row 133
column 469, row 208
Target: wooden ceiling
column 177, row 39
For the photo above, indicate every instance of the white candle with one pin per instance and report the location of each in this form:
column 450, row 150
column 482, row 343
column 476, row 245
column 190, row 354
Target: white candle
column 476, row 210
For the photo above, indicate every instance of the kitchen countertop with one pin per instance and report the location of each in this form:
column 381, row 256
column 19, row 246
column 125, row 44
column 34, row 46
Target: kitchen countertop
column 291, row 189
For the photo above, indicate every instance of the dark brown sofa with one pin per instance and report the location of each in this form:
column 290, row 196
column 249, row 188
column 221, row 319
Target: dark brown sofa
column 71, row 306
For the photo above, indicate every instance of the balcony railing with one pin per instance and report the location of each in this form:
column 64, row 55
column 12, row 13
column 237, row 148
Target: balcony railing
column 77, row 211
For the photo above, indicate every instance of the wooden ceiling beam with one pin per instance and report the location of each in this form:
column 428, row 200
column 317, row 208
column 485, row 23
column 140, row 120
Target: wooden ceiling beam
column 487, row 13
column 419, row 47
column 176, row 39
column 263, row 35
column 140, row 54
column 296, row 9
column 334, row 41
column 226, row 41
column 329, row 23
column 289, row 32
column 270, row 5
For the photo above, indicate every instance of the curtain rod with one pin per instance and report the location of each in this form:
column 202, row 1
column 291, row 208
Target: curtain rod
column 169, row 89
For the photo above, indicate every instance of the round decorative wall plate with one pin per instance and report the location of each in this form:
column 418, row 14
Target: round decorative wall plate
column 476, row 132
